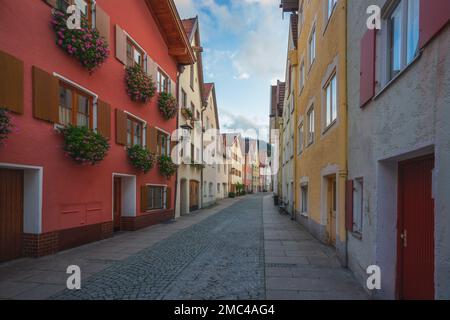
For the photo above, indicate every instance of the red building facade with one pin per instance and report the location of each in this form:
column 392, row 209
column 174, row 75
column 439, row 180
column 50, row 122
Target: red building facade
column 49, row 202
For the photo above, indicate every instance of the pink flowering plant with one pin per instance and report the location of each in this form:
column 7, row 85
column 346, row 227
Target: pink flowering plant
column 84, row 145
column 167, row 105
column 84, row 44
column 140, row 86
column 5, row 124
column 166, row 166
column 141, row 158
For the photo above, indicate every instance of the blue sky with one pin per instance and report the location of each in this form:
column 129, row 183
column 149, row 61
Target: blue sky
column 245, row 45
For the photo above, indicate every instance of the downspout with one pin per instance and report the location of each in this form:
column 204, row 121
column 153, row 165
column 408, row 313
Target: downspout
column 204, row 106
column 178, row 123
column 346, row 126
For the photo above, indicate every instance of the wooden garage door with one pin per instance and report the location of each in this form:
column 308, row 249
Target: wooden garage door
column 11, row 214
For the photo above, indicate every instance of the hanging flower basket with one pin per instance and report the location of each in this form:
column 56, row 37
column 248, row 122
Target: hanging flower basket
column 167, row 105
column 141, row 158
column 84, row 44
column 140, row 86
column 187, row 113
column 84, row 145
column 166, row 166
column 5, row 125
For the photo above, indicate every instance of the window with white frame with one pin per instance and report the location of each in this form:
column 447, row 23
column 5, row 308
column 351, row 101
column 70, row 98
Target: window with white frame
column 330, row 7
column 331, row 101
column 402, row 36
column 358, row 207
column 312, row 46
column 163, row 82
column 304, row 199
column 156, row 196
column 300, row 138
column 302, row 75
column 311, row 126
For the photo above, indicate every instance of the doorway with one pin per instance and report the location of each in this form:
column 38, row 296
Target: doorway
column 117, row 203
column 193, row 195
column 11, row 213
column 332, row 209
column 415, row 232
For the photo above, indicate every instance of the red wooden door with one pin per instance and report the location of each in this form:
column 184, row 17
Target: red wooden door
column 416, row 229
column 117, row 203
column 11, row 214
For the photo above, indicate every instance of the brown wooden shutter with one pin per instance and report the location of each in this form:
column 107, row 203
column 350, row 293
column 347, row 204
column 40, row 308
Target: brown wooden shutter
column 367, row 67
column 168, row 198
column 121, row 45
column 152, row 68
column 349, row 205
column 104, row 119
column 52, row 3
column 151, row 139
column 102, row 23
column 121, row 127
column 144, row 198
column 173, row 88
column 433, row 17
column 45, row 96
column 11, row 83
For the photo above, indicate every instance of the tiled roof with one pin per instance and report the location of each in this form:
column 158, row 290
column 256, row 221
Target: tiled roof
column 294, row 28
column 281, row 94
column 188, row 25
column 207, row 87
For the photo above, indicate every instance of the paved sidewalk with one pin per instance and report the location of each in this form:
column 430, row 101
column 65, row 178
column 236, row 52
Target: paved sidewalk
column 299, row 267
column 41, row 278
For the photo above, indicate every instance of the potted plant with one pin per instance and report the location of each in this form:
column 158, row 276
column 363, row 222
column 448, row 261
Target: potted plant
column 84, row 145
column 231, row 195
column 84, row 44
column 167, row 105
column 187, row 113
column 141, row 158
column 140, row 86
column 5, row 124
column 166, row 166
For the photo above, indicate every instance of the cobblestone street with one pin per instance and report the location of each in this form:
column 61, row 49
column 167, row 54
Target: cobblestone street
column 239, row 249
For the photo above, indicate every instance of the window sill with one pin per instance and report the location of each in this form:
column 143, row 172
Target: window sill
column 393, row 80
column 357, row 235
column 329, row 127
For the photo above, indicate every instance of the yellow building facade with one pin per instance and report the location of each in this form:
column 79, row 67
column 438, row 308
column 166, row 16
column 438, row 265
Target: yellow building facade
column 321, row 120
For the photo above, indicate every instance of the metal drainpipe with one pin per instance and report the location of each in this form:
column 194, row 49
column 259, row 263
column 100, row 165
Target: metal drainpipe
column 201, row 152
column 178, row 119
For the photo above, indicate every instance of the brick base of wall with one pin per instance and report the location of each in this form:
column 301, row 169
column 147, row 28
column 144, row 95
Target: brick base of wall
column 38, row 245
column 140, row 222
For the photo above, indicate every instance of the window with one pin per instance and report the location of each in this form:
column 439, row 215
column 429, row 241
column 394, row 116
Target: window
column 163, row 82
column 191, row 73
column 156, row 198
column 75, row 106
column 358, row 207
column 211, row 191
column 304, row 195
column 311, row 128
column 302, row 75
column 183, row 99
column 300, row 139
column 218, row 188
column 312, row 46
column 135, row 56
column 330, row 7
column 163, row 142
column 331, row 102
column 135, row 130
column 205, row 185
column 85, row 7
column 403, row 36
